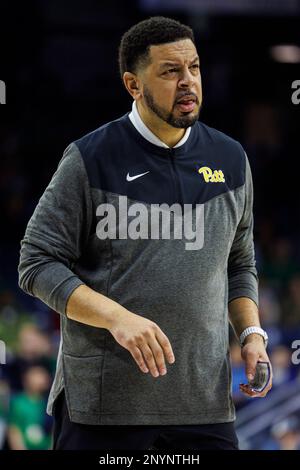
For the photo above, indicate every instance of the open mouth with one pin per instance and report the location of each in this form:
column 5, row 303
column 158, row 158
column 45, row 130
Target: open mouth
column 186, row 103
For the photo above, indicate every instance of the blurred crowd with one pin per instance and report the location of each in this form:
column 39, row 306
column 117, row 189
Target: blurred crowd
column 276, row 235
column 24, row 385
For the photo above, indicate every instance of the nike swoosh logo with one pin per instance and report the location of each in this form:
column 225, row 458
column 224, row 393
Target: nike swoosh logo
column 131, row 178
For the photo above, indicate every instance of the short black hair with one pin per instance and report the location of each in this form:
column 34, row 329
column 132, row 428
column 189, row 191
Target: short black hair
column 135, row 43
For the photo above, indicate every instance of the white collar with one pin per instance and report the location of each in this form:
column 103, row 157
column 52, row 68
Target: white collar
column 136, row 120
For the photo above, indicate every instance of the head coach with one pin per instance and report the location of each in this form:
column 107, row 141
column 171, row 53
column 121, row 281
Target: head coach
column 144, row 354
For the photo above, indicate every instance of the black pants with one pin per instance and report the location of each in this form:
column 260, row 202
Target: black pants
column 73, row 436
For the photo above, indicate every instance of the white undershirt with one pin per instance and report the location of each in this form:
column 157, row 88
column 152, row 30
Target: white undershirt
column 136, row 120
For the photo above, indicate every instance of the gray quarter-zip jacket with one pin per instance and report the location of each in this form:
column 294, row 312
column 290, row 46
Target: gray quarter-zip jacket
column 184, row 290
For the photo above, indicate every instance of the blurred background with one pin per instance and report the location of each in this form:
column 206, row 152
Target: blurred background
column 59, row 63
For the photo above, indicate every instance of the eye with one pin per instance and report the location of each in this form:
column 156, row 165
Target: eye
column 170, row 71
column 195, row 66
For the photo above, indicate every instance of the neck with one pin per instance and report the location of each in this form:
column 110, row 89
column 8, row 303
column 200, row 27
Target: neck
column 168, row 134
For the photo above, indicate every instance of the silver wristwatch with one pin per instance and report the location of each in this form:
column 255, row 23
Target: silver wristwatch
column 253, row 329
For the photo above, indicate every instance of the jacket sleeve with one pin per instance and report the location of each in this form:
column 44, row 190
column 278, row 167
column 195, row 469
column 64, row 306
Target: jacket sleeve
column 242, row 273
column 56, row 234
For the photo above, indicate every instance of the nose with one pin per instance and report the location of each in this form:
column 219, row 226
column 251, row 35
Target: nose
column 186, row 78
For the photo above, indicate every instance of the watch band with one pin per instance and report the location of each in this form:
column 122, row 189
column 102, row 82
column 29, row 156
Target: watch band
column 253, row 329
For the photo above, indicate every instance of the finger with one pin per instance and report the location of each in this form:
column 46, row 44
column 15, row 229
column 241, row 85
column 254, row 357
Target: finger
column 251, row 361
column 270, row 384
column 149, row 359
column 139, row 359
column 166, row 345
column 246, row 389
column 268, row 387
column 158, row 355
column 264, row 392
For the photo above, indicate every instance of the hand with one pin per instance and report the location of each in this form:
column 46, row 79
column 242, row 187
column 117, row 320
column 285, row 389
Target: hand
column 253, row 351
column 144, row 340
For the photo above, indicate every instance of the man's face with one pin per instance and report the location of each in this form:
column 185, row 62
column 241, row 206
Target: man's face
column 172, row 83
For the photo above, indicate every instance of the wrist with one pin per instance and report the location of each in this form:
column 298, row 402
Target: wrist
column 253, row 334
column 116, row 312
column 253, row 338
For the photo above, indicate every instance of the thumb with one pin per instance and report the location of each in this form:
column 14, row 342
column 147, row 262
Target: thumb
column 251, row 361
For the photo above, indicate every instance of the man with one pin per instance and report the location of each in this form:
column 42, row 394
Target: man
column 132, row 305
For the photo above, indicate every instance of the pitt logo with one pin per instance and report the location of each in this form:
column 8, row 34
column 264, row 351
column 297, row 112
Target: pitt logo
column 210, row 176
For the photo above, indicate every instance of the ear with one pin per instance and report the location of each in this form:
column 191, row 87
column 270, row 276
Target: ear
column 132, row 84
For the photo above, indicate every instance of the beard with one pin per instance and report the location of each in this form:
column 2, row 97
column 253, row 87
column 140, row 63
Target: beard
column 180, row 122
